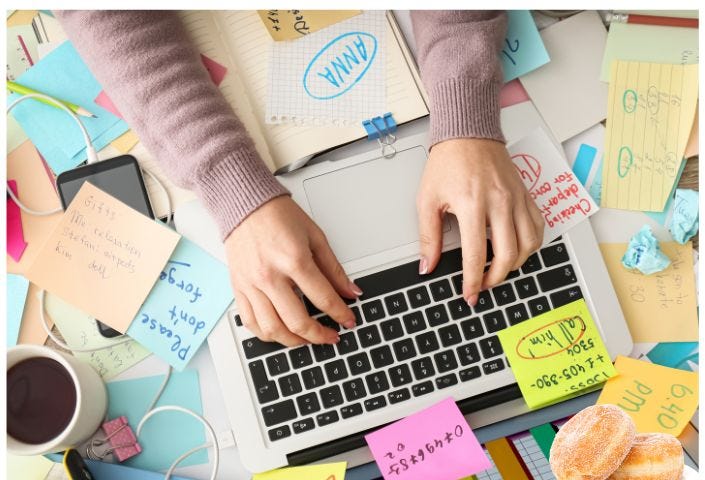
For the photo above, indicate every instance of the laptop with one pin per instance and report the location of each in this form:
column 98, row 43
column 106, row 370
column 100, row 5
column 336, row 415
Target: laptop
column 416, row 341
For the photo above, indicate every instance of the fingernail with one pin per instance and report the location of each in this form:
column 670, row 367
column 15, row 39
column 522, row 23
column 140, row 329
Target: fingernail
column 350, row 324
column 355, row 289
column 335, row 339
column 472, row 300
column 423, row 266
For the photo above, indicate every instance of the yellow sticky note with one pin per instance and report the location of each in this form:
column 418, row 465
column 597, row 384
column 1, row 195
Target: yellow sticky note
column 326, row 471
column 125, row 142
column 21, row 17
column 34, row 467
column 557, row 354
column 293, row 24
column 649, row 118
column 662, row 307
column 103, row 257
column 659, row 399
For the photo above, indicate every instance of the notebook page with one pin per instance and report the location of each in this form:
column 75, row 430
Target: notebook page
column 249, row 43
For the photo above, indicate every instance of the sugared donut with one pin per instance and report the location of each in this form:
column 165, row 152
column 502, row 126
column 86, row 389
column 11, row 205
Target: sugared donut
column 654, row 456
column 592, row 444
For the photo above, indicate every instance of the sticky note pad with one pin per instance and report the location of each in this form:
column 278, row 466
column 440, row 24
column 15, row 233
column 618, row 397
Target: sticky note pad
column 109, row 256
column 16, row 296
column 556, row 354
column 650, row 114
column 522, row 50
column 16, row 244
column 184, row 305
column 325, row 471
column 659, row 399
column 434, row 443
column 167, row 435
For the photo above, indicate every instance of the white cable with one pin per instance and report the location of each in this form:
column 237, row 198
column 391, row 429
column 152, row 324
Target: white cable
column 28, row 210
column 164, row 190
column 161, row 389
column 184, row 457
column 209, row 428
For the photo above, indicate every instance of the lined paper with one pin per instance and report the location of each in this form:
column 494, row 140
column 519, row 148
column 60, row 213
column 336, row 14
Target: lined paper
column 650, row 114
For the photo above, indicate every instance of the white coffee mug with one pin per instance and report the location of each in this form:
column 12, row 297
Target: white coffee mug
column 91, row 401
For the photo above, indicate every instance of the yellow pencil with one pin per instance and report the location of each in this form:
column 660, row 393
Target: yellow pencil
column 22, row 90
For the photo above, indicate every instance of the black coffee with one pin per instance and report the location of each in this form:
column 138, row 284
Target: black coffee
column 41, row 400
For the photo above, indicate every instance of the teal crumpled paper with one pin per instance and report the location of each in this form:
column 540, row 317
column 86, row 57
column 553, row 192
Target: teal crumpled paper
column 684, row 222
column 644, row 253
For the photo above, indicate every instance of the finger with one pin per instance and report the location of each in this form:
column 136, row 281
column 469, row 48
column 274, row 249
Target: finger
column 292, row 312
column 271, row 326
column 528, row 239
column 430, row 235
column 536, row 216
column 331, row 267
column 321, row 293
column 473, row 243
column 247, row 316
column 504, row 245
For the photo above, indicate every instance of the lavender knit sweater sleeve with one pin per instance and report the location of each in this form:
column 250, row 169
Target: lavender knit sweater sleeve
column 149, row 68
column 458, row 55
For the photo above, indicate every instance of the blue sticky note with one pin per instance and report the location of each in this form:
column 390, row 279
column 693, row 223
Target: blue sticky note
column 595, row 189
column 191, row 294
column 583, row 162
column 62, row 74
column 166, row 435
column 114, row 471
column 523, row 49
column 17, row 287
column 675, row 354
column 684, row 222
column 644, row 253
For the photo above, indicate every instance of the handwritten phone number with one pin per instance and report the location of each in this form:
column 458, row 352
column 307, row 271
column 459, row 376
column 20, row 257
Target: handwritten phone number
column 569, row 373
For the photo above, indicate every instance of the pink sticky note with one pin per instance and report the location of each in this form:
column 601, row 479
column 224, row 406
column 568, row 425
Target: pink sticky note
column 104, row 101
column 512, row 93
column 15, row 235
column 434, row 443
column 216, row 70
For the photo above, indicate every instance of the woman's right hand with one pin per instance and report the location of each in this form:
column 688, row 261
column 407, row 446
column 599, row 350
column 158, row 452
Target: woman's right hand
column 276, row 248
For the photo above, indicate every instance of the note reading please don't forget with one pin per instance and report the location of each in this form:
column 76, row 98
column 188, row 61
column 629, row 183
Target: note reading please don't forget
column 556, row 354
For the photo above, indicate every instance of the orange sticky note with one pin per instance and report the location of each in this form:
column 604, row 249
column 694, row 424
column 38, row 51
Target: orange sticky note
column 659, row 399
column 103, row 257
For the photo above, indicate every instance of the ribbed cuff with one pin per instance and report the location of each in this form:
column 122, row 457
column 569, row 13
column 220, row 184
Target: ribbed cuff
column 235, row 187
column 465, row 108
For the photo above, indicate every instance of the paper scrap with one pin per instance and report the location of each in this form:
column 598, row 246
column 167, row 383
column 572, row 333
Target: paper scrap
column 681, row 355
column 333, row 76
column 659, row 399
column 34, row 467
column 80, row 330
column 16, row 244
column 63, row 74
column 567, row 90
column 562, row 200
column 22, row 43
column 663, row 216
column 324, row 471
column 651, row 110
column 215, row 70
column 512, row 93
column 684, row 222
column 556, row 354
column 294, row 24
column 436, row 442
column 168, row 435
column 523, row 49
column 644, row 254
column 21, row 17
column 125, row 142
column 104, row 101
column 16, row 291
column 661, row 307
column 27, row 168
column 649, row 43
column 184, row 305
column 31, row 330
column 109, row 255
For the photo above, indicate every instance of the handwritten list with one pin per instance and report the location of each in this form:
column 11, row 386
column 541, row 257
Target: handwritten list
column 103, row 257
column 557, row 354
column 650, row 114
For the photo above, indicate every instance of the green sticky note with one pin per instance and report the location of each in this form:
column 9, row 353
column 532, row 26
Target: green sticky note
column 544, row 435
column 556, row 355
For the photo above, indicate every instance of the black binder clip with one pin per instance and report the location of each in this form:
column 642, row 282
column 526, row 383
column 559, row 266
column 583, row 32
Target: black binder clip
column 382, row 129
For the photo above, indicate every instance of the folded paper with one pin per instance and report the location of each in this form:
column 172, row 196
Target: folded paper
column 644, row 254
column 684, row 222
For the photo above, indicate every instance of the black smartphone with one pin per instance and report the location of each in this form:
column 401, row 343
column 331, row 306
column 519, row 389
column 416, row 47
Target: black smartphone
column 120, row 177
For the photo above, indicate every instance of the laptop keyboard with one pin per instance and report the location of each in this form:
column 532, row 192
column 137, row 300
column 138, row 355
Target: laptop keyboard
column 414, row 335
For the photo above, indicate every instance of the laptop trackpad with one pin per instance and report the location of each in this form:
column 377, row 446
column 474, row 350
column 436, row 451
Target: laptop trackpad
column 369, row 207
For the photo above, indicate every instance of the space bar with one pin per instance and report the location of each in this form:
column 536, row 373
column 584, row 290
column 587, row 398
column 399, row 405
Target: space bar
column 407, row 275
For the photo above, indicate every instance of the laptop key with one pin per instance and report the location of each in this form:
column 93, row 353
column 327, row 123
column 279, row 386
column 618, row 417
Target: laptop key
column 563, row 297
column 450, row 335
column 441, row 290
column 513, row 274
column 279, row 412
column 326, row 321
column 517, row 313
column 310, row 307
column 414, row 322
column 504, row 294
column 398, row 396
column 277, row 364
column 351, row 410
column 445, row 361
column 539, row 305
column 254, row 347
column 381, row 356
column 354, row 389
column 556, row 278
column 459, row 308
column 469, row 374
column 326, row 418
column 396, row 303
column 391, row 329
column 490, row 347
column 422, row 388
column 336, row 370
column 427, row 342
column 375, row 403
column 373, row 310
column 484, row 302
column 494, row 321
column 323, row 352
column 526, row 287
column 290, row 385
column 404, row 349
column 347, row 343
column 446, row 381
column 304, row 425
column 423, row 368
column 308, row 403
column 331, row 396
column 468, row 353
column 494, row 366
column 300, row 357
column 266, row 389
column 377, row 382
column 359, row 363
column 457, row 284
column 358, row 316
column 531, row 265
column 554, row 254
column 313, row 377
column 369, row 336
column 400, row 375
column 436, row 315
column 418, row 297
column 279, row 433
column 472, row 328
